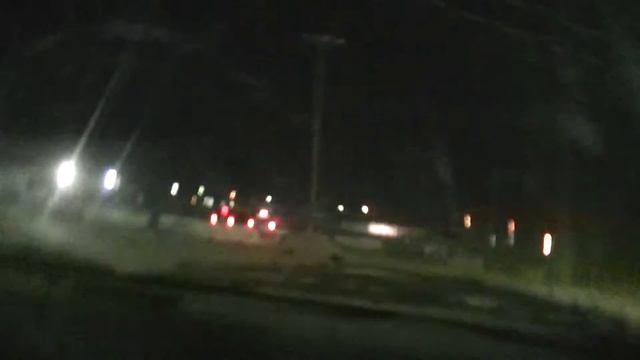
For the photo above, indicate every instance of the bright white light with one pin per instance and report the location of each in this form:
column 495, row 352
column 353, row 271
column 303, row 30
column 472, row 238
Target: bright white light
column 341, row 208
column 380, row 229
column 547, row 244
column 467, row 221
column 208, row 202
column 268, row 199
column 271, row 225
column 251, row 223
column 263, row 213
column 200, row 190
column 364, row 209
column 66, row 174
column 174, row 188
column 232, row 204
column 232, row 195
column 213, row 219
column 231, row 221
column 110, row 179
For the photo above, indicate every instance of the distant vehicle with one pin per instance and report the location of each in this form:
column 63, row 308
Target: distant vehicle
column 260, row 221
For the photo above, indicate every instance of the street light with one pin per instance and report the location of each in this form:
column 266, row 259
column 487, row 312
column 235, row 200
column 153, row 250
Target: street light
column 268, row 199
column 174, row 188
column 66, row 174
column 364, row 209
column 547, row 244
column 467, row 221
column 200, row 190
column 110, row 180
column 341, row 208
column 322, row 43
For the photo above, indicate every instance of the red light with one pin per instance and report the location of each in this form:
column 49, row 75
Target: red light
column 213, row 219
column 231, row 221
column 251, row 223
column 271, row 225
column 224, row 210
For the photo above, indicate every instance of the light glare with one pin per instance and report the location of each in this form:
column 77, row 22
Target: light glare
column 271, row 225
column 268, row 199
column 174, row 188
column 364, row 209
column 467, row 221
column 110, row 179
column 208, row 202
column 263, row 213
column 231, row 221
column 381, row 229
column 547, row 244
column 341, row 208
column 200, row 190
column 251, row 223
column 66, row 174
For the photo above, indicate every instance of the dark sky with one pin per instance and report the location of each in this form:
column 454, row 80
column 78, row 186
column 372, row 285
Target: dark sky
column 474, row 85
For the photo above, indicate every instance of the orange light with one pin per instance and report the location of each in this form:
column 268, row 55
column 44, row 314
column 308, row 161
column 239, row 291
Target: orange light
column 213, row 219
column 467, row 221
column 271, row 225
column 511, row 226
column 251, row 223
column 231, row 221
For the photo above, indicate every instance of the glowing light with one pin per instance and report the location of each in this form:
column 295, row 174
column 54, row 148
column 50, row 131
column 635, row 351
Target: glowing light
column 271, row 225
column 511, row 226
column 231, row 221
column 213, row 219
column 547, row 244
column 364, row 209
column 251, row 223
column 110, row 179
column 492, row 240
column 194, row 200
column 208, row 201
column 511, row 232
column 467, row 221
column 263, row 213
column 341, row 208
column 232, row 195
column 268, row 199
column 224, row 210
column 200, row 190
column 174, row 188
column 66, row 174
column 232, row 204
column 381, row 229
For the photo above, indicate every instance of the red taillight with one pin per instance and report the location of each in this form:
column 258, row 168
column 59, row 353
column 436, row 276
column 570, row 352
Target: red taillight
column 213, row 219
column 271, row 225
column 251, row 223
column 231, row 221
column 224, row 210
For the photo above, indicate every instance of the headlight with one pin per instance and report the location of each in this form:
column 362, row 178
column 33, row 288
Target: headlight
column 66, row 174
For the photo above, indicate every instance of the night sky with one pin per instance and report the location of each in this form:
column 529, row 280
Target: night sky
column 431, row 105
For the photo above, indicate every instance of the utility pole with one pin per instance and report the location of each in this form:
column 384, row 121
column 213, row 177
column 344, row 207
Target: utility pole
column 322, row 43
